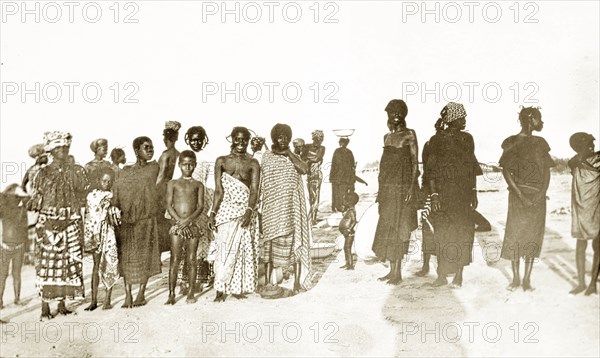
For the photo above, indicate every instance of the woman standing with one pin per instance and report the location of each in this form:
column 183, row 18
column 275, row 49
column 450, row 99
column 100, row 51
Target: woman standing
column 92, row 169
column 398, row 173
column 526, row 166
column 342, row 174
column 452, row 171
column 313, row 156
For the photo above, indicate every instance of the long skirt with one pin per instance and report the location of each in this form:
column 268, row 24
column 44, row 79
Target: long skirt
column 525, row 228
column 139, row 254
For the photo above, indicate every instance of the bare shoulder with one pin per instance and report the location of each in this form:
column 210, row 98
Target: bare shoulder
column 410, row 133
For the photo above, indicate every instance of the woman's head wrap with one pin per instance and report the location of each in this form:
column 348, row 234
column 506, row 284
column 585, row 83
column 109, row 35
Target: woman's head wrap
column 174, row 125
column 56, row 139
column 98, row 143
column 257, row 141
column 453, row 111
column 36, row 150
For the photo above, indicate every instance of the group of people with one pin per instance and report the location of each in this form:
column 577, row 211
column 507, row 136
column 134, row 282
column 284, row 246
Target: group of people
column 264, row 204
column 449, row 196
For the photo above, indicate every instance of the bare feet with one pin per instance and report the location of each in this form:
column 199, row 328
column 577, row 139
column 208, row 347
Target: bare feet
column 440, row 281
column 18, row 302
column 345, row 266
column 580, row 288
column 592, row 289
column 456, row 282
column 127, row 303
column 513, row 286
column 91, row 307
column 220, row 297
column 62, row 308
column 170, row 300
column 191, row 299
column 394, row 281
column 454, row 285
column 422, row 273
column 350, row 268
column 527, row 286
column 106, row 306
column 241, row 296
column 386, row 277
column 46, row 312
column 140, row 301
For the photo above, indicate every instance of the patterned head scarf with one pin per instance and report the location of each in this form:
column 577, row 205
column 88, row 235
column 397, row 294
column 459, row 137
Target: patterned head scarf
column 452, row 111
column 174, row 125
column 56, row 139
column 98, row 143
column 318, row 135
column 36, row 150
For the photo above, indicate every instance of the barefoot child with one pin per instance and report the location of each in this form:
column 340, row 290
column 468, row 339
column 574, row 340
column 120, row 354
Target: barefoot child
column 13, row 215
column 99, row 237
column 185, row 199
column 347, row 226
column 585, row 202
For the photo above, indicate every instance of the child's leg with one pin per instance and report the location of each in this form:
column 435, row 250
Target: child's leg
column 527, row 275
column 4, row 262
column 346, row 240
column 192, row 247
column 17, row 265
column 348, row 249
column 176, row 242
column 592, row 288
column 106, row 305
column 516, row 282
column 580, row 262
column 95, row 282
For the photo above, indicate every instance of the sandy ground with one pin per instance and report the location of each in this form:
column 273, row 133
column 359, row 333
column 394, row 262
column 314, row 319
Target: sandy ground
column 347, row 312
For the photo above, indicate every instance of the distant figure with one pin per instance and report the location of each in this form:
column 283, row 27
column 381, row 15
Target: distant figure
column 258, row 146
column 233, row 217
column 13, row 219
column 347, row 227
column 185, row 200
column 92, row 169
column 452, row 170
column 585, row 205
column 167, row 163
column 342, row 175
column 117, row 156
column 135, row 194
column 526, row 166
column 38, row 153
column 398, row 173
column 313, row 157
column 100, row 239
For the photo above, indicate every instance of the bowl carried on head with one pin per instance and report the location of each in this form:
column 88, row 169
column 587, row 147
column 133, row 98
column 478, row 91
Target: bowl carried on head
column 342, row 133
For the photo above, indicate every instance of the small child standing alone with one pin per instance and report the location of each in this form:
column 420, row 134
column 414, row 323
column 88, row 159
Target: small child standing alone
column 347, row 227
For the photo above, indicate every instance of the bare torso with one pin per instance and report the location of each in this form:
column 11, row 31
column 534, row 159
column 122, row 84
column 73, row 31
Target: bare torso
column 185, row 196
column 240, row 167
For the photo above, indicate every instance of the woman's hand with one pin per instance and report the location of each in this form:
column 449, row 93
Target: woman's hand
column 524, row 199
column 474, row 201
column 435, row 203
column 211, row 222
column 246, row 218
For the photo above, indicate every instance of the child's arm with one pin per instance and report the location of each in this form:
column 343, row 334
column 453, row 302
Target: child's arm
column 353, row 221
column 170, row 208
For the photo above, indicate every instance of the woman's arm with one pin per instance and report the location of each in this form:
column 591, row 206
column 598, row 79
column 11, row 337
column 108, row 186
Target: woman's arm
column 218, row 198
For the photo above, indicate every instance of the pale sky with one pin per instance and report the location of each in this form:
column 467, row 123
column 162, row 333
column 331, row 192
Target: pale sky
column 376, row 51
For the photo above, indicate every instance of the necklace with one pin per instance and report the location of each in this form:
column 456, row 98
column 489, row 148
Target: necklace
column 187, row 178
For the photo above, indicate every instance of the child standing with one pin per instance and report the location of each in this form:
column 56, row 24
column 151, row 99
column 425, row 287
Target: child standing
column 347, row 226
column 185, row 199
column 99, row 237
column 13, row 214
column 585, row 202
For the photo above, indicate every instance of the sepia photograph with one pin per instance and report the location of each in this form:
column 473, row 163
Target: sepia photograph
column 308, row 178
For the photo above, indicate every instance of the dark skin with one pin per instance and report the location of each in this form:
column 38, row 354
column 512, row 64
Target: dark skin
column 12, row 202
column 41, row 160
column 61, row 159
column 167, row 162
column 240, row 165
column 105, row 184
column 281, row 146
column 349, row 239
column 453, row 127
column 398, row 137
column 144, row 154
column 527, row 128
column 313, row 154
column 185, row 201
column 585, row 151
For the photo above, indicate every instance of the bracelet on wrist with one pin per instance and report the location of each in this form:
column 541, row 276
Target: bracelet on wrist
column 434, row 194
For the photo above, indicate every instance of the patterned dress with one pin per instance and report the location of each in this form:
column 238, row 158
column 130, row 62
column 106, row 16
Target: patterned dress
column 59, row 195
column 236, row 261
column 286, row 225
column 135, row 194
column 99, row 235
column 92, row 170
